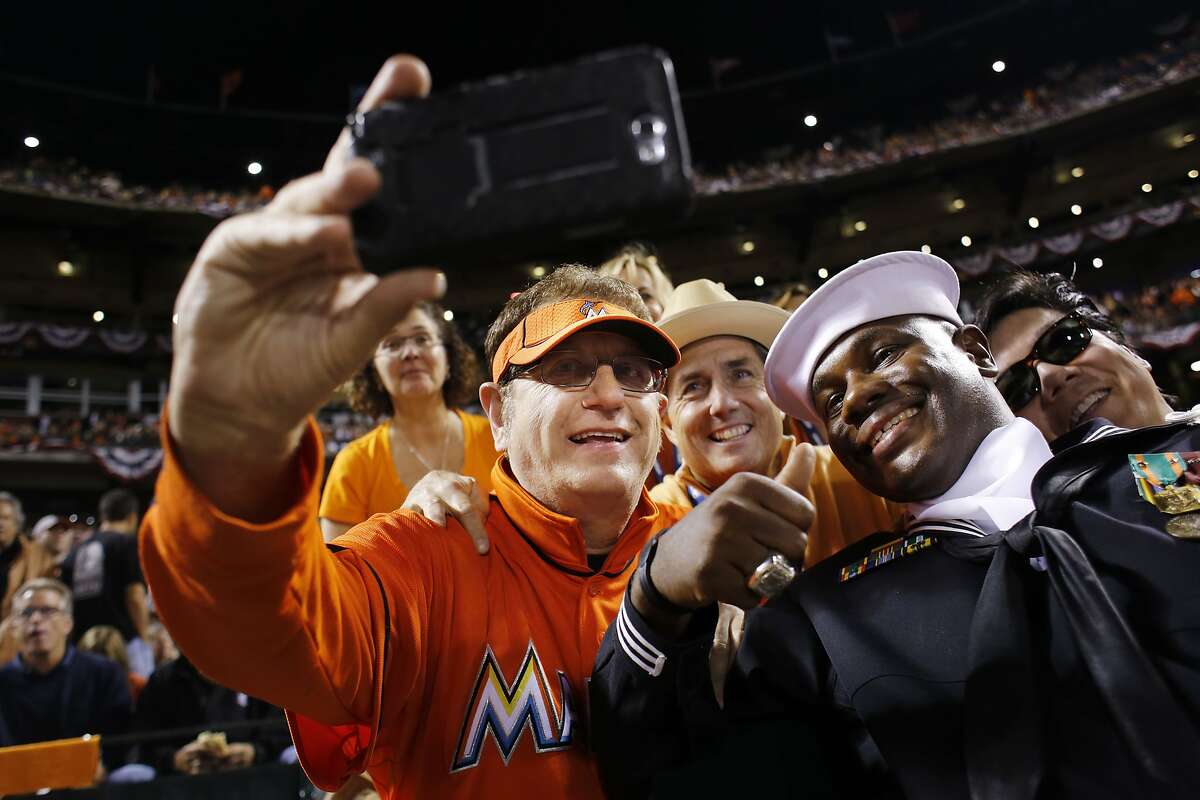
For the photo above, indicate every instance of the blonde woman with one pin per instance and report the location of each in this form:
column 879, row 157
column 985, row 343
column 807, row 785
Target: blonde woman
column 637, row 265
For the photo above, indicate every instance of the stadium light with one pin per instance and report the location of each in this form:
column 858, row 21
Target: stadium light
column 926, row 249
column 66, row 269
column 448, row 315
column 1147, row 187
column 966, row 241
column 860, row 225
column 1076, row 209
column 998, row 66
column 1196, row 366
column 822, row 273
column 758, row 280
column 1097, row 262
column 1076, row 172
column 97, row 316
column 254, row 168
column 539, row 271
column 747, row 246
column 1034, row 222
column 811, row 120
column 958, row 204
column 1194, row 173
column 32, row 142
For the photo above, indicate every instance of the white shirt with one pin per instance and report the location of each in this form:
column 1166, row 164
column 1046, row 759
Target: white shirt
column 995, row 490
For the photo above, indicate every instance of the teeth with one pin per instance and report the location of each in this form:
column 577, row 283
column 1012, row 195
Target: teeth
column 893, row 422
column 1086, row 404
column 730, row 433
column 579, row 438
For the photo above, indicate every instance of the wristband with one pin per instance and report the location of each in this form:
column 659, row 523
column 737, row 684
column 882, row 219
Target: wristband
column 649, row 590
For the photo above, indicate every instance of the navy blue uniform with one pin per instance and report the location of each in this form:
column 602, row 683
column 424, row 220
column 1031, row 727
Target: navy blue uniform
column 1064, row 661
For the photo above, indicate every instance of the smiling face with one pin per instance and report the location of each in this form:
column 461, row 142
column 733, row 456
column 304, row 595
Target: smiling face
column 574, row 448
column 907, row 401
column 1105, row 380
column 718, row 412
column 411, row 359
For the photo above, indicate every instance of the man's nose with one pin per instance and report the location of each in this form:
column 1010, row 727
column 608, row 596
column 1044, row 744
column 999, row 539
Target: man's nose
column 605, row 390
column 1054, row 378
column 721, row 401
column 864, row 393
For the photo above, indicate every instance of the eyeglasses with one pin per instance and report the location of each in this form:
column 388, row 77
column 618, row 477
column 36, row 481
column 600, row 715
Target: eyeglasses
column 1060, row 344
column 421, row 341
column 29, row 612
column 572, row 370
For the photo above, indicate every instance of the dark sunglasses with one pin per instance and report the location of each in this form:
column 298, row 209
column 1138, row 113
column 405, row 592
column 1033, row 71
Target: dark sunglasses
column 1060, row 344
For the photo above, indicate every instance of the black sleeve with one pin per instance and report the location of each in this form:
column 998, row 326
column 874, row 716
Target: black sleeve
column 131, row 565
column 651, row 700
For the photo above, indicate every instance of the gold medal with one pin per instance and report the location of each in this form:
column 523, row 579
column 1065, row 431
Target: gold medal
column 1184, row 526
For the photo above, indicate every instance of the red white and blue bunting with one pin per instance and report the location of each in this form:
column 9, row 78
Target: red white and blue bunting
column 129, row 463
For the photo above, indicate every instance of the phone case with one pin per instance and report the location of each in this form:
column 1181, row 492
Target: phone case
column 580, row 149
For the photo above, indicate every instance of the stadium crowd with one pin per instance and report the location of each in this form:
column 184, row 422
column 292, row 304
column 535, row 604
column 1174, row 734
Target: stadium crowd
column 1068, row 91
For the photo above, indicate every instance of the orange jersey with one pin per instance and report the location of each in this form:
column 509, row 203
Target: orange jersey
column 399, row 649
column 363, row 480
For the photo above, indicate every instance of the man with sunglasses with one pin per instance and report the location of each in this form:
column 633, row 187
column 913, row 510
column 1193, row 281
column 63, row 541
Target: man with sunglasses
column 1032, row 631
column 1062, row 362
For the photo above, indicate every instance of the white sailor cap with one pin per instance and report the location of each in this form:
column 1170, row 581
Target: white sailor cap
column 888, row 285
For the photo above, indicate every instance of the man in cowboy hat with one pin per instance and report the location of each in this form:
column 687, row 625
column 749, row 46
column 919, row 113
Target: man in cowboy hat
column 1033, row 631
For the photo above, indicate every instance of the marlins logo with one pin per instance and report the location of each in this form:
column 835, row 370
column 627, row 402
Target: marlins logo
column 502, row 711
column 591, row 308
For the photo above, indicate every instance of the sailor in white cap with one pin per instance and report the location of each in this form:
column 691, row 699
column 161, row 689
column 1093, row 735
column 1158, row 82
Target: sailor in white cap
column 1028, row 635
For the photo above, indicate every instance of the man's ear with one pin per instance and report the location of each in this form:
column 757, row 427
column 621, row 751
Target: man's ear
column 664, row 414
column 974, row 343
column 491, row 397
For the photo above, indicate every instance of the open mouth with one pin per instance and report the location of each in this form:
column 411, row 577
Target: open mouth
column 1084, row 408
column 892, row 428
column 731, row 433
column 601, row 437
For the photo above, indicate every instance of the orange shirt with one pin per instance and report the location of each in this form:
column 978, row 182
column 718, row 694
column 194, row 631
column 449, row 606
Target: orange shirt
column 363, row 480
column 399, row 649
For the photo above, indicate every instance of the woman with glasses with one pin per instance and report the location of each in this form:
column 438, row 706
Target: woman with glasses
column 1062, row 361
column 421, row 376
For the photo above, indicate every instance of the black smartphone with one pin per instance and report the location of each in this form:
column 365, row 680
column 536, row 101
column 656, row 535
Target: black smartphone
column 593, row 147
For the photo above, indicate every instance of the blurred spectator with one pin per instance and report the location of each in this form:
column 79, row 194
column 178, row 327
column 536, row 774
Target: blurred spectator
column 162, row 646
column 51, row 690
column 56, row 534
column 178, row 696
column 21, row 559
column 106, row 641
column 106, row 577
column 638, row 265
column 790, row 296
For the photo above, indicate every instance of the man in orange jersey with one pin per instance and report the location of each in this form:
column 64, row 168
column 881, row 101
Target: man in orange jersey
column 397, row 651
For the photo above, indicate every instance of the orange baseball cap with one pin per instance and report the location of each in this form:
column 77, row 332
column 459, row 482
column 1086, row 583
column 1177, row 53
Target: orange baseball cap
column 547, row 326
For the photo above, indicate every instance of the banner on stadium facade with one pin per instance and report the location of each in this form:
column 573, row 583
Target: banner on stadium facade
column 129, row 463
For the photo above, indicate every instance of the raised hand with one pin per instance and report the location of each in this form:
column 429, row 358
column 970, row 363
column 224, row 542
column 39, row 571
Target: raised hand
column 274, row 314
column 710, row 554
